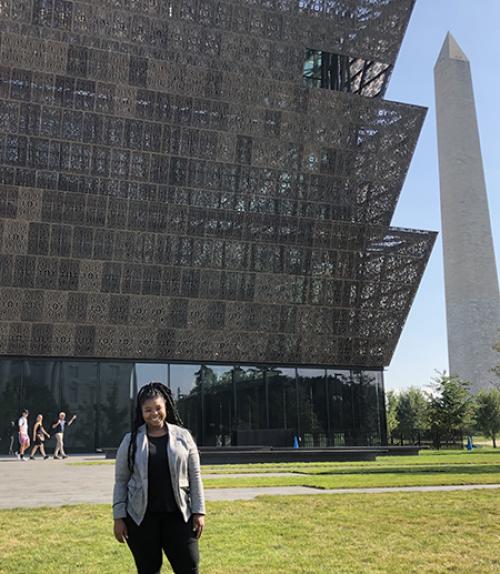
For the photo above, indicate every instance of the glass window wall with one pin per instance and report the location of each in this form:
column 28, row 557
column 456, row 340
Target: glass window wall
column 186, row 387
column 218, row 410
column 41, row 389
column 338, row 407
column 281, row 400
column 79, row 396
column 222, row 405
column 114, row 403
column 251, row 398
column 312, row 407
column 10, row 403
column 99, row 393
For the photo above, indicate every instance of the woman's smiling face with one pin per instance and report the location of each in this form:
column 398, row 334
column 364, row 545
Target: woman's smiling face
column 154, row 413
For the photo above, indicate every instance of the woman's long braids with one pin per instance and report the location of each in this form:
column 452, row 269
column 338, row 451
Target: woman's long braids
column 151, row 391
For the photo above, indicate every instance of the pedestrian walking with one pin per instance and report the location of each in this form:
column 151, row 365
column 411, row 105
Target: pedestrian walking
column 39, row 436
column 24, row 439
column 12, row 436
column 60, row 426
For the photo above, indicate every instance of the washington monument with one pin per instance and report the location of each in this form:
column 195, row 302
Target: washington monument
column 471, row 280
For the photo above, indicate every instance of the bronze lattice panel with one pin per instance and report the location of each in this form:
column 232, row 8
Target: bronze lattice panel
column 171, row 190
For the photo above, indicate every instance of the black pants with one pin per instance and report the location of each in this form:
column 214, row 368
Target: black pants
column 165, row 531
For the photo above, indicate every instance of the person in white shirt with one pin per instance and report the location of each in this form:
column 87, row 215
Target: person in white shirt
column 59, row 427
column 24, row 439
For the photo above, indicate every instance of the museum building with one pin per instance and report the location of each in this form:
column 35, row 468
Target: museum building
column 205, row 188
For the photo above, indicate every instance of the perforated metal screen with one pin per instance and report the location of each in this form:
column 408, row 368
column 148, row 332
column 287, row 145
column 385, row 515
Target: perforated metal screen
column 172, row 190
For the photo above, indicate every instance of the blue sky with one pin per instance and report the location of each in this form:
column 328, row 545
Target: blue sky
column 422, row 348
column 474, row 23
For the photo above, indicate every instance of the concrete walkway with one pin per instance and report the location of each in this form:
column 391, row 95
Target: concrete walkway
column 251, row 493
column 55, row 483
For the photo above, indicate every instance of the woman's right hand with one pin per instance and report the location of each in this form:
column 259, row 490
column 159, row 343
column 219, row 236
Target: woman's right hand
column 120, row 530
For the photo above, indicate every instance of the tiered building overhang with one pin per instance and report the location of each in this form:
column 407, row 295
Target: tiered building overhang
column 204, row 181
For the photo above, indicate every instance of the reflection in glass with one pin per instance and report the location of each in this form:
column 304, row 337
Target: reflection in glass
column 265, row 406
column 10, row 407
column 282, row 395
column 313, row 423
column 218, row 405
column 185, row 384
column 41, row 390
column 281, row 387
column 114, row 402
column 251, row 398
column 148, row 372
column 222, row 405
column 370, row 412
column 339, row 407
column 79, row 386
column 355, row 408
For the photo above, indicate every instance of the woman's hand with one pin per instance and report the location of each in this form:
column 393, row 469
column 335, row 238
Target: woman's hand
column 198, row 524
column 120, row 530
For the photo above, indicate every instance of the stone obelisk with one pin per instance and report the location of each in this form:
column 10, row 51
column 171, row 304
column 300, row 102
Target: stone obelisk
column 471, row 280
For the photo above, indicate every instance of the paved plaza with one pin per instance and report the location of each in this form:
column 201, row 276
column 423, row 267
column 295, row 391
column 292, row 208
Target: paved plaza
column 61, row 482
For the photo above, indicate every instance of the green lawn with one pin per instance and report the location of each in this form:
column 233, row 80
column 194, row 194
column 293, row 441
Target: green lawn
column 421, row 533
column 358, row 480
column 442, row 458
column 443, row 468
column 486, row 456
column 427, row 469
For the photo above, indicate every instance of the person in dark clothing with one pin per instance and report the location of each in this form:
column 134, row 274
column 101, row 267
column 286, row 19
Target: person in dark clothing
column 158, row 501
column 39, row 436
column 12, row 436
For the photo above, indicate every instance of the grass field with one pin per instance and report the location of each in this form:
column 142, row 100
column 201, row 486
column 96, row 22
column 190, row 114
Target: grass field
column 421, row 533
column 427, row 469
column 358, row 481
column 443, row 458
column 433, row 468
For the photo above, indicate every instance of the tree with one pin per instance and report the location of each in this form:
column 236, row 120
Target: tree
column 496, row 368
column 392, row 400
column 450, row 408
column 411, row 413
column 114, row 412
column 391, row 406
column 488, row 413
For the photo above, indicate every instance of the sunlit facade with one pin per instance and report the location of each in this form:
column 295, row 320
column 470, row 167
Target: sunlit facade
column 207, row 187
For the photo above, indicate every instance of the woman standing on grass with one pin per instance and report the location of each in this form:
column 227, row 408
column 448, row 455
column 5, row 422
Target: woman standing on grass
column 39, row 435
column 158, row 501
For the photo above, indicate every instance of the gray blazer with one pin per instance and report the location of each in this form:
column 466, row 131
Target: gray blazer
column 130, row 493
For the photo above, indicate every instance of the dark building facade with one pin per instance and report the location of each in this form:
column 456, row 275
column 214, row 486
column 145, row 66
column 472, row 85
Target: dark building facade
column 208, row 185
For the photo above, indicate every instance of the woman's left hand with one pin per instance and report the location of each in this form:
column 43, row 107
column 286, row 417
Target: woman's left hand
column 198, row 524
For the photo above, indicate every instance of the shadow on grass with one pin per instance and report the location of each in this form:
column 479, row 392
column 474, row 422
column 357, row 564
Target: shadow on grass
column 441, row 469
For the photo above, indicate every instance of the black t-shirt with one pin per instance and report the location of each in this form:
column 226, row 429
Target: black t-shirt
column 61, row 427
column 160, row 493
